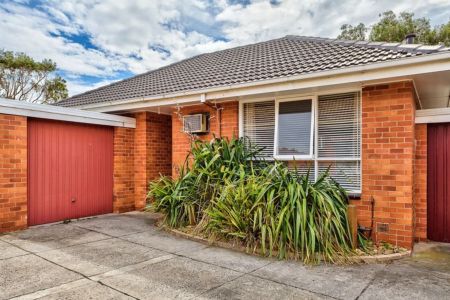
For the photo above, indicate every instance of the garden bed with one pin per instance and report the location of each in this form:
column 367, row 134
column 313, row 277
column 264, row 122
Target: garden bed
column 359, row 257
column 225, row 195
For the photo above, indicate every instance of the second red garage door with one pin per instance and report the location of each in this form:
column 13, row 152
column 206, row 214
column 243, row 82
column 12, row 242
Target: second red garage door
column 70, row 170
column 439, row 182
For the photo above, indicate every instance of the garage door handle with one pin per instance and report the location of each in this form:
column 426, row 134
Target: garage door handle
column 73, row 199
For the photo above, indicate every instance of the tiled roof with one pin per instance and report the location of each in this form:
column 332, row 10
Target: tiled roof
column 284, row 57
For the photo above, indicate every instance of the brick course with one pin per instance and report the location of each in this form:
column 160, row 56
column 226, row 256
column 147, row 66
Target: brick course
column 388, row 161
column 420, row 183
column 123, row 171
column 228, row 127
column 159, row 146
column 141, row 155
column 13, row 172
column 140, row 159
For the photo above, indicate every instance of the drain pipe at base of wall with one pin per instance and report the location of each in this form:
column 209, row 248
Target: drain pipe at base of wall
column 367, row 231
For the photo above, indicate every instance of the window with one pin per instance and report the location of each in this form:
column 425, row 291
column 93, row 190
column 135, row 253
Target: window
column 294, row 133
column 315, row 133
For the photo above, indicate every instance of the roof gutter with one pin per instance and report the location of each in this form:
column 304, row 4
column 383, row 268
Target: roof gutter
column 222, row 92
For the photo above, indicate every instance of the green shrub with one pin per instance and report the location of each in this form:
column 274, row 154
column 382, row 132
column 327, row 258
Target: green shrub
column 207, row 166
column 177, row 199
column 277, row 210
column 264, row 206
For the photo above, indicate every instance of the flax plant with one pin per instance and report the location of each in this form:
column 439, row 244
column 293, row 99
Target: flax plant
column 265, row 206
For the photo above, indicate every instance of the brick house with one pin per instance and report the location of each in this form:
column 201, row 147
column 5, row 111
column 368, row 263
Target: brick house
column 377, row 113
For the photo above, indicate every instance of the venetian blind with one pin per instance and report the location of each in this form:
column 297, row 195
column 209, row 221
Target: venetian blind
column 339, row 131
column 259, row 125
column 346, row 173
column 339, row 136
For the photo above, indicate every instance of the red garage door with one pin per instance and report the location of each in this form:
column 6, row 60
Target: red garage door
column 438, row 182
column 70, row 169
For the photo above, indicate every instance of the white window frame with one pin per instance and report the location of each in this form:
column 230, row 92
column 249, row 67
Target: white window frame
column 315, row 130
column 287, row 157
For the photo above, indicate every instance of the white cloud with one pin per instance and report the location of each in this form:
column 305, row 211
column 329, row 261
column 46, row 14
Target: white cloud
column 260, row 20
column 140, row 35
column 77, row 87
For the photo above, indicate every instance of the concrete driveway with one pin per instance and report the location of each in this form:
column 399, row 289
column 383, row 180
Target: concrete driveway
column 125, row 257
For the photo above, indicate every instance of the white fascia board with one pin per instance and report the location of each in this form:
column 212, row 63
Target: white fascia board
column 43, row 111
column 142, row 104
column 358, row 74
column 435, row 115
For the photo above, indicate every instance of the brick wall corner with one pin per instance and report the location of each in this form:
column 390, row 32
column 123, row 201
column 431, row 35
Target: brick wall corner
column 13, row 178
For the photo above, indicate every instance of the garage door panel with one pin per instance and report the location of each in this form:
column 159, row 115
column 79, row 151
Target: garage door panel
column 438, row 189
column 70, row 170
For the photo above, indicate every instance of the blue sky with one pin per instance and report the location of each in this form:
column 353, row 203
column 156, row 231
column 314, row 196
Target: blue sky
column 96, row 42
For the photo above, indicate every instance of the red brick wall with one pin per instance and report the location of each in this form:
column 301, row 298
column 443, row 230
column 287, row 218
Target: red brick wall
column 388, row 160
column 153, row 144
column 420, row 183
column 140, row 155
column 140, row 159
column 181, row 141
column 123, row 189
column 159, row 146
column 13, row 175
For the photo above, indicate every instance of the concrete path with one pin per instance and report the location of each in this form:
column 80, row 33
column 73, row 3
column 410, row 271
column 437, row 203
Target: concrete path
column 126, row 257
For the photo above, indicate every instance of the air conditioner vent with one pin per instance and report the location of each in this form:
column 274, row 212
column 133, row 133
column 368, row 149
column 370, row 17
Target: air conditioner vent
column 197, row 123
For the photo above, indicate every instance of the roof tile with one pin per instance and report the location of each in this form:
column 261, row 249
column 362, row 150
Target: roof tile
column 283, row 57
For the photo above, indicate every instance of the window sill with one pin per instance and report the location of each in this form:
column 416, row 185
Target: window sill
column 293, row 158
column 354, row 195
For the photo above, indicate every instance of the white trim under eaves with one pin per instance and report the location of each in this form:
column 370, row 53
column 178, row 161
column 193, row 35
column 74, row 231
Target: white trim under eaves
column 434, row 115
column 350, row 75
column 43, row 111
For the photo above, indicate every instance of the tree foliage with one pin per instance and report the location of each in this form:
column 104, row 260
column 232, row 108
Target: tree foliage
column 23, row 78
column 349, row 32
column 393, row 28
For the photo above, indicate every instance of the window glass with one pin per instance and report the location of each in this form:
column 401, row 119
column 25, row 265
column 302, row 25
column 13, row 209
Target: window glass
column 294, row 127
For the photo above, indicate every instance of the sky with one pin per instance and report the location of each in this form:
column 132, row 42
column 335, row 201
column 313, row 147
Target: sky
column 96, row 42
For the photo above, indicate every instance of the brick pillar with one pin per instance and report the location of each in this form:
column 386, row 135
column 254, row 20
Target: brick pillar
column 153, row 157
column 159, row 146
column 420, row 184
column 123, row 190
column 140, row 160
column 229, row 125
column 388, row 160
column 13, row 175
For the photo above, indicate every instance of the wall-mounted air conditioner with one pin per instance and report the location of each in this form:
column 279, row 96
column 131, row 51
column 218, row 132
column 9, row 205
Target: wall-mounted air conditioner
column 197, row 123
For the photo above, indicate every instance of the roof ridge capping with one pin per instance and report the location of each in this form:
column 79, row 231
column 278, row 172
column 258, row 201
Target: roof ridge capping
column 395, row 46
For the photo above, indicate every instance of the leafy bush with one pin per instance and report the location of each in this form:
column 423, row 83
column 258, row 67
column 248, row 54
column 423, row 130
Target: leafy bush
column 264, row 206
